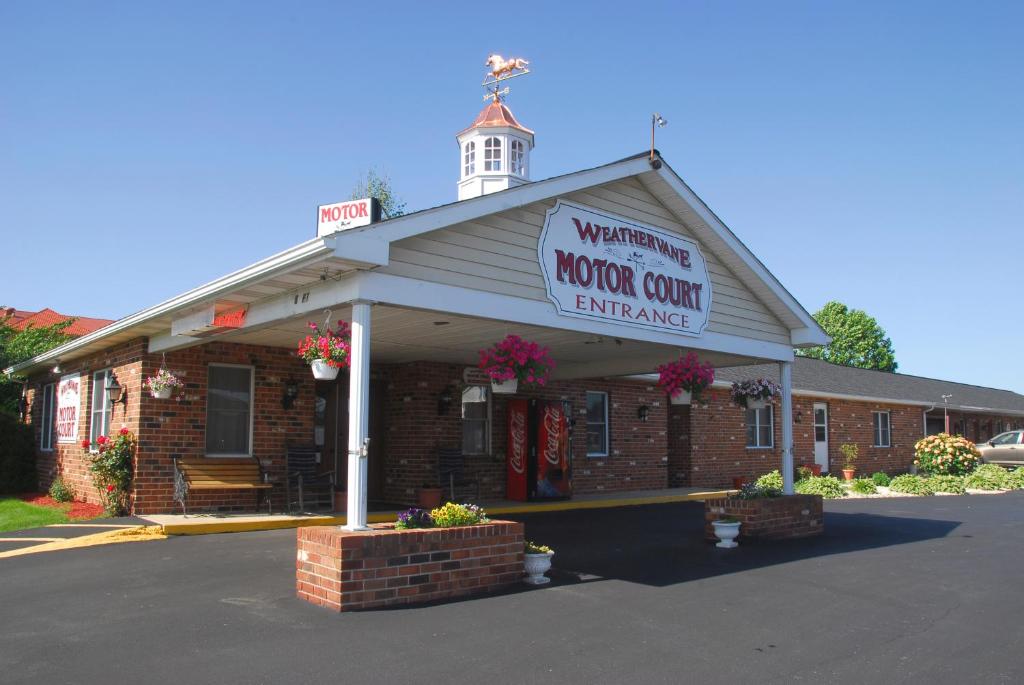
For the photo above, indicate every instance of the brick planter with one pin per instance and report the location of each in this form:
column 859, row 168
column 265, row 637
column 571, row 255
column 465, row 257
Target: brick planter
column 346, row 571
column 790, row 516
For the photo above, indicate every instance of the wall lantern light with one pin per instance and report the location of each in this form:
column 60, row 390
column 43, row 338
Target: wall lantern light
column 643, row 413
column 56, row 367
column 799, row 415
column 115, row 392
column 291, row 393
column 444, row 400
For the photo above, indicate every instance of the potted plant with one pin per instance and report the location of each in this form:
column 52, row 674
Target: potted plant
column 757, row 393
column 536, row 562
column 163, row 384
column 429, row 496
column 326, row 351
column 850, row 452
column 684, row 379
column 514, row 360
column 727, row 529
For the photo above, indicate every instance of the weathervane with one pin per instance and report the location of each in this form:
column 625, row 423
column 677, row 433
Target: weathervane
column 502, row 70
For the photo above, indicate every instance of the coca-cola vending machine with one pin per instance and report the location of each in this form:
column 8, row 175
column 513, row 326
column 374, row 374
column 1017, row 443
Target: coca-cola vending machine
column 539, row 450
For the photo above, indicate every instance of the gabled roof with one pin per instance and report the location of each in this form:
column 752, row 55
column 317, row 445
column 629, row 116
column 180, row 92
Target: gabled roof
column 48, row 317
column 368, row 246
column 812, row 376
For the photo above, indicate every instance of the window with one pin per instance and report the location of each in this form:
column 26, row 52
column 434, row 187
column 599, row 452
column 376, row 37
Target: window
column 597, row 424
column 492, row 154
column 759, row 427
column 517, row 158
column 476, row 420
column 46, row 423
column 469, row 159
column 880, row 419
column 99, row 423
column 229, row 410
column 1006, row 439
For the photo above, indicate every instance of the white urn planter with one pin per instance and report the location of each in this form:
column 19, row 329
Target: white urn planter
column 162, row 394
column 322, row 371
column 681, row 397
column 726, row 532
column 508, row 387
column 536, row 565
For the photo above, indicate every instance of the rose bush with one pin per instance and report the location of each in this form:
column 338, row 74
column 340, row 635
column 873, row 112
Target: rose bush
column 946, row 455
column 111, row 469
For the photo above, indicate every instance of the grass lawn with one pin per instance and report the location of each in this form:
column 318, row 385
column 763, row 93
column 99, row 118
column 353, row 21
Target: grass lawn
column 16, row 515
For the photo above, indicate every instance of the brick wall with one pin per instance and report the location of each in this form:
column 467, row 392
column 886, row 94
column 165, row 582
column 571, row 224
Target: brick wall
column 791, row 516
column 346, row 571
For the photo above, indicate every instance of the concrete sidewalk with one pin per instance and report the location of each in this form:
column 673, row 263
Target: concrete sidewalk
column 201, row 524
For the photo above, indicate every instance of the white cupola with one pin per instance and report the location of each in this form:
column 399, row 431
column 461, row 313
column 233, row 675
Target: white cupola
column 494, row 152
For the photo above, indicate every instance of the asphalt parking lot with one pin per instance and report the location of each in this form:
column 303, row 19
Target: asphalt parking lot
column 897, row 590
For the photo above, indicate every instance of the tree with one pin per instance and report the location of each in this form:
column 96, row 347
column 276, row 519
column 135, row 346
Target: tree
column 379, row 186
column 857, row 339
column 17, row 346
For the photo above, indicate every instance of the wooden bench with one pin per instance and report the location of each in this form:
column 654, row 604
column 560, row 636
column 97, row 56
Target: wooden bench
column 215, row 473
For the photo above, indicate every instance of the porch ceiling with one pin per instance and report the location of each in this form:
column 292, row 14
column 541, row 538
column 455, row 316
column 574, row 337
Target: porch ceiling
column 405, row 335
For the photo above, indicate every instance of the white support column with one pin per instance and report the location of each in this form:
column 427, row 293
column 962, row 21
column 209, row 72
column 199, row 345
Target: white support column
column 786, row 374
column 358, row 415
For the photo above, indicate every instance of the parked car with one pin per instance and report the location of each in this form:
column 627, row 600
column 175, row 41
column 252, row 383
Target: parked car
column 1005, row 448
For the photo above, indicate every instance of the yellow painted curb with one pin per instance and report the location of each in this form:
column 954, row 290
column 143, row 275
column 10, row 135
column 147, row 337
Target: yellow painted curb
column 211, row 527
column 110, row 537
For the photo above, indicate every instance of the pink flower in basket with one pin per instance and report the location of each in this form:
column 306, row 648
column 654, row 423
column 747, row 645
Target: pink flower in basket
column 514, row 357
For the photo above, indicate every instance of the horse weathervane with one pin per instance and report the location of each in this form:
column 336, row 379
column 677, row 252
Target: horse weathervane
column 502, row 70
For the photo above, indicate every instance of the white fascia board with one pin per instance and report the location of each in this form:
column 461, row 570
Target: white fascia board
column 467, row 210
column 409, row 292
column 742, row 251
column 300, row 255
column 809, row 337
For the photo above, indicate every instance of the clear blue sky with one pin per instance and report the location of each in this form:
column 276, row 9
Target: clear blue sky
column 866, row 152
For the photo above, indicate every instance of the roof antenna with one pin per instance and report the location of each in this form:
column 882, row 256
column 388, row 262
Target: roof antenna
column 660, row 122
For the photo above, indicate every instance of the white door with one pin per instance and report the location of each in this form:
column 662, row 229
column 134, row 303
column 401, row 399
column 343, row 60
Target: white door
column 821, row 435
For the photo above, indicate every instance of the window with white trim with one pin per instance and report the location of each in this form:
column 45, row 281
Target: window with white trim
column 469, row 159
column 476, row 419
column 760, row 432
column 517, row 157
column 229, row 410
column 46, row 419
column 880, row 423
column 597, row 424
column 492, row 154
column 99, row 417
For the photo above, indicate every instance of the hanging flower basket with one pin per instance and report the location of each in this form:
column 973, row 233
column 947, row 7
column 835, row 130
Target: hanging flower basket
column 163, row 384
column 326, row 351
column 513, row 361
column 755, row 394
column 684, row 379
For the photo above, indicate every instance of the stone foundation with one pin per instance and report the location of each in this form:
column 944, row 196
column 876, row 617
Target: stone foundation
column 789, row 516
column 346, row 571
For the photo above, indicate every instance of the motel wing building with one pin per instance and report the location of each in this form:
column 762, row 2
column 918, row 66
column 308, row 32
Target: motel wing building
column 616, row 269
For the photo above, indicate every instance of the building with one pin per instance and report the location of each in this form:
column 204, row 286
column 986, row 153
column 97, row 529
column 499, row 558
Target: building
column 20, row 319
column 616, row 269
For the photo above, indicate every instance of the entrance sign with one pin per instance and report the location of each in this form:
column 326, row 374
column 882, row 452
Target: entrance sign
column 344, row 215
column 69, row 395
column 601, row 266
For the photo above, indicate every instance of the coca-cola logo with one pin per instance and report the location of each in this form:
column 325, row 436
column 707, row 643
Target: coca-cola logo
column 552, row 435
column 517, row 439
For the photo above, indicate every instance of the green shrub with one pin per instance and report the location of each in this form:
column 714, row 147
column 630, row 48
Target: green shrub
column 864, row 486
column 910, row 484
column 989, row 477
column 946, row 455
column 61, row 491
column 451, row 515
column 770, row 482
column 828, row 487
column 1015, row 479
column 880, row 478
column 953, row 484
column 17, row 456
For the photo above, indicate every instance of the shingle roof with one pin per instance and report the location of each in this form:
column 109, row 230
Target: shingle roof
column 817, row 376
column 48, row 317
